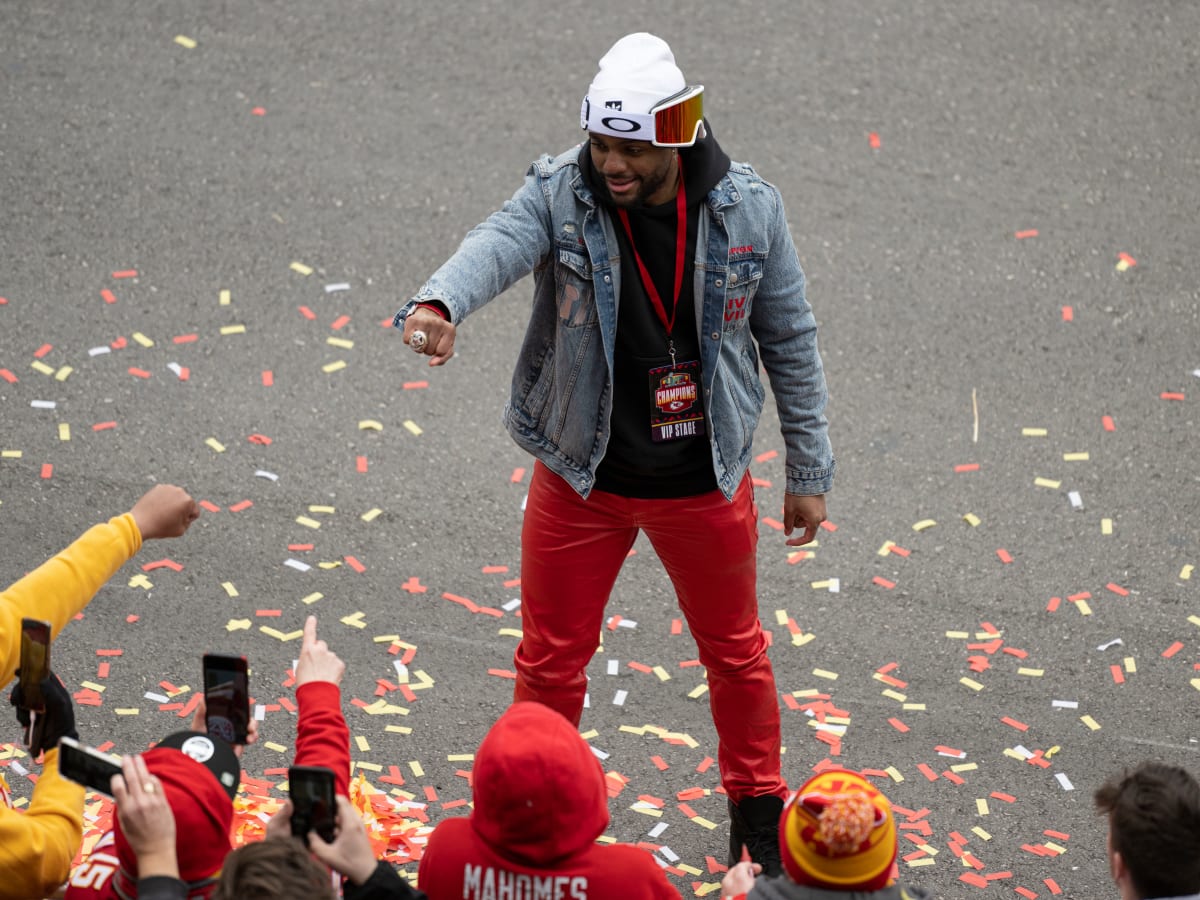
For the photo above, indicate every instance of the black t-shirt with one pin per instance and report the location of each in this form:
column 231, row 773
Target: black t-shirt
column 635, row 465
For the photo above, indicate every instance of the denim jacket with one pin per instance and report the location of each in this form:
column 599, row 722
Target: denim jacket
column 753, row 307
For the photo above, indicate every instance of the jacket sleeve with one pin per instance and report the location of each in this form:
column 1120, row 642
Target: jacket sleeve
column 38, row 845
column 61, row 587
column 322, row 738
column 384, row 884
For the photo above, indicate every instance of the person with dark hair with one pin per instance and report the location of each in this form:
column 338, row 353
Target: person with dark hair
column 1153, row 840
column 540, row 802
column 665, row 282
column 837, row 836
column 38, row 845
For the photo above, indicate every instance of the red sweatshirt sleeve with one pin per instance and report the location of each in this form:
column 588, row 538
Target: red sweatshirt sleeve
column 322, row 738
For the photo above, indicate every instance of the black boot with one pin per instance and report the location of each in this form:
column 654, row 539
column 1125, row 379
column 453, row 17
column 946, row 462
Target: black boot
column 754, row 823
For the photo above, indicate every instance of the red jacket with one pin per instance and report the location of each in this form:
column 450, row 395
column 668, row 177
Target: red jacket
column 540, row 803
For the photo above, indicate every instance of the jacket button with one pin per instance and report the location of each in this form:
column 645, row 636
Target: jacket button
column 733, row 279
column 719, row 282
column 716, row 336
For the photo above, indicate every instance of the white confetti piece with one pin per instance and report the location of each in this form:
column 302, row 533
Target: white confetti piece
column 176, row 368
column 619, row 698
column 1064, row 781
column 1065, row 704
column 157, row 698
column 598, row 753
column 1115, row 642
column 96, row 351
column 334, row 288
column 263, row 473
column 1076, row 500
column 614, row 667
column 297, row 564
column 260, row 710
column 657, row 830
column 43, row 404
column 511, row 604
column 627, row 623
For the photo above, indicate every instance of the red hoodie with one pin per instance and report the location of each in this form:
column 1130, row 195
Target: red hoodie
column 540, row 804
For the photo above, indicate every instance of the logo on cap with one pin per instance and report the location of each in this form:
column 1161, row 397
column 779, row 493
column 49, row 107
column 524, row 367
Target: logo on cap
column 199, row 748
column 613, row 104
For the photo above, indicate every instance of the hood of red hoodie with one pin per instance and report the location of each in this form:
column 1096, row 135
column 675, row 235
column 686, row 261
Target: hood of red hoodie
column 539, row 790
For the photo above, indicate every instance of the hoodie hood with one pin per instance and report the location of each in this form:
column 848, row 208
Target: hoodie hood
column 539, row 791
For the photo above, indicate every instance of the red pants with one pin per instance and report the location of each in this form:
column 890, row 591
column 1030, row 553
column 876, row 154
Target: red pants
column 571, row 553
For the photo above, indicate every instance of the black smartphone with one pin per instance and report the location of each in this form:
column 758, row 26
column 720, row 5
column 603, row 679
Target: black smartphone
column 227, row 697
column 35, row 666
column 313, row 805
column 86, row 765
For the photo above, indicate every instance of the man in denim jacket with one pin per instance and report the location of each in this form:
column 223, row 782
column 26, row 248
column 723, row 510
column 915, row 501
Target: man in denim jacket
column 663, row 275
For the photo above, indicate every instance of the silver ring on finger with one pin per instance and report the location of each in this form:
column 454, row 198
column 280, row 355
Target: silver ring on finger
column 418, row 341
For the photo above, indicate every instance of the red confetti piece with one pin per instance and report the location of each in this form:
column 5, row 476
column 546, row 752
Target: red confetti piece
column 1052, row 885
column 1053, row 604
column 47, row 470
column 138, row 373
column 355, row 564
column 299, row 548
column 927, row 771
column 162, row 564
column 829, row 526
column 258, row 111
column 244, row 504
column 268, row 378
column 42, row 350
column 1026, row 893
column 125, row 273
column 119, row 344
column 360, row 465
column 261, row 439
column 413, row 586
column 1167, row 395
column 1108, row 423
column 502, row 673
column 3, row 302
column 999, row 795
column 1082, row 595
column 109, row 296
column 972, row 878
column 8, row 376
column 185, row 338
column 873, row 140
column 662, row 766
column 415, row 385
column 705, row 764
column 953, row 777
column 104, row 426
column 494, row 570
column 883, row 582
column 512, row 583
column 1005, row 556
column 110, row 652
column 132, row 618
column 898, row 550
column 677, row 626
column 1057, row 835
column 898, row 725
column 1127, row 259
column 1068, row 314
column 1020, row 726
column 184, row 373
column 517, row 475
column 1117, row 589
column 772, row 523
column 269, row 612
column 1172, row 650
column 967, row 467
column 1118, row 676
column 307, row 313
column 1027, row 233
column 211, row 507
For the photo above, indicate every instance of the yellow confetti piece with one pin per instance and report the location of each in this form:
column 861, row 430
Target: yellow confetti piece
column 799, row 640
column 64, row 432
column 229, row 588
column 981, row 834
column 913, row 707
column 141, row 581
column 417, row 771
column 301, row 268
column 921, row 861
column 333, row 366
column 981, row 806
column 1106, row 526
column 11, row 454
column 894, row 774
column 63, row 374
column 238, row 625
column 895, row 695
column 704, row 823
column 1122, row 265
column 1084, row 609
column 1013, row 754
column 824, row 673
column 142, row 339
column 413, row 427
column 781, row 617
column 1185, row 573
column 1195, row 620
column 340, row 343
column 646, row 810
column 398, row 729
column 924, row 524
column 958, row 635
column 821, row 585
column 271, row 632
column 965, row 767
column 1130, row 665
column 1032, row 673
column 330, row 565
column 224, row 298
column 971, row 519
column 692, row 870
column 364, row 746
column 278, row 748
column 233, row 329
column 215, row 444
column 1057, row 848
column 127, row 711
column 932, row 851
column 511, row 632
column 1076, row 457
column 369, row 766
column 1090, row 722
column 1034, row 432
column 99, row 688
column 354, row 619
column 807, row 692
column 307, row 522
column 370, row 425
column 184, row 41
column 698, row 691
column 973, row 685
column 40, row 366
column 311, row 598
column 371, row 514
column 382, row 708
column 1047, row 483
column 886, row 549
column 460, row 757
column 322, row 510
column 1196, row 683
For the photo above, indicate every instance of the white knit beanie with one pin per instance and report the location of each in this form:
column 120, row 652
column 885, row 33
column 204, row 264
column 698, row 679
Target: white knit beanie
column 635, row 75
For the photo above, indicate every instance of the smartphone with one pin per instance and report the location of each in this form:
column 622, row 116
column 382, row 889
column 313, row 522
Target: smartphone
column 227, row 697
column 35, row 667
column 86, row 765
column 313, row 805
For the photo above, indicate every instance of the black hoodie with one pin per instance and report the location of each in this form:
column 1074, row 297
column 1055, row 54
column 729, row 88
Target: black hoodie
column 634, row 465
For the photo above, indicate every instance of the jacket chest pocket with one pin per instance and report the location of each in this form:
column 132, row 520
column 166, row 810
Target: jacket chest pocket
column 573, row 288
column 741, row 282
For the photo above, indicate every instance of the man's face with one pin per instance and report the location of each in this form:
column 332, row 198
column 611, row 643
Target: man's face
column 634, row 173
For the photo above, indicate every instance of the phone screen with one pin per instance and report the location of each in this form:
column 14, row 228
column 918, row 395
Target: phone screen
column 227, row 697
column 35, row 662
column 313, row 806
column 87, row 766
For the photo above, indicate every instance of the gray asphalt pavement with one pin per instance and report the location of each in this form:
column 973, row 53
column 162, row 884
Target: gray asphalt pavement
column 996, row 207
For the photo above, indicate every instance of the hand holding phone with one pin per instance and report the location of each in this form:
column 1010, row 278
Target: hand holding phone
column 313, row 805
column 87, row 765
column 227, row 697
column 35, row 668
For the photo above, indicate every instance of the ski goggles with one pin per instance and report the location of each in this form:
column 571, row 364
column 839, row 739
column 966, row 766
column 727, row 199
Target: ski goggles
column 674, row 122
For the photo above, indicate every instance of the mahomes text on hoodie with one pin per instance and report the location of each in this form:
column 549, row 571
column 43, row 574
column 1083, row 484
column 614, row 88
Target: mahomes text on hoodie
column 488, row 883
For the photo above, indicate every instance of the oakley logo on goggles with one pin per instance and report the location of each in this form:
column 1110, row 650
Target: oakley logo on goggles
column 674, row 122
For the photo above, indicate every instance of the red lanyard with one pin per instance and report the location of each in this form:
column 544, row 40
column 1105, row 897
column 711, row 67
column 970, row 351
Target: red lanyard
column 680, row 252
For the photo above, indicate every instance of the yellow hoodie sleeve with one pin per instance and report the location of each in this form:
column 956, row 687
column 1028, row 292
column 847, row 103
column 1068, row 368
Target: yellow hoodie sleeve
column 62, row 586
column 38, row 845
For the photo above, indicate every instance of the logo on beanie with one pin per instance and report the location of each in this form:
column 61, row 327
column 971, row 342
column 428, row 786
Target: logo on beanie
column 613, row 104
column 199, row 747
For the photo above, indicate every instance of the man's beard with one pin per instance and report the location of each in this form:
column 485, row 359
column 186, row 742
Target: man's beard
column 646, row 188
